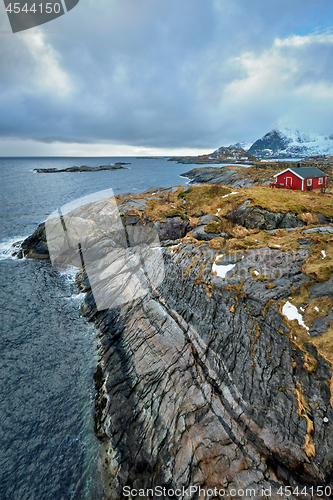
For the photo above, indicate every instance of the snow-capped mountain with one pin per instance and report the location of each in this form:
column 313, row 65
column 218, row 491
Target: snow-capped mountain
column 244, row 145
column 286, row 143
column 289, row 143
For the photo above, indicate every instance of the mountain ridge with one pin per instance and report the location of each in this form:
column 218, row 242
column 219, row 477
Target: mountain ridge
column 287, row 143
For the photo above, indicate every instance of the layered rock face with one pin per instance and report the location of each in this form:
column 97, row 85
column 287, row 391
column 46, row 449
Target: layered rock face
column 204, row 386
column 230, row 176
column 200, row 385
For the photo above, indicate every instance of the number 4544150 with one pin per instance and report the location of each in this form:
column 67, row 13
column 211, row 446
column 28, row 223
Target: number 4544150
column 49, row 8
column 286, row 491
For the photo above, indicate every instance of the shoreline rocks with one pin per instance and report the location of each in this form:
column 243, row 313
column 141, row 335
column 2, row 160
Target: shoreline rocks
column 33, row 247
column 230, row 176
column 83, row 168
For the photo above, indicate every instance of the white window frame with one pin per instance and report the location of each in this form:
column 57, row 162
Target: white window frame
column 309, row 182
column 320, row 181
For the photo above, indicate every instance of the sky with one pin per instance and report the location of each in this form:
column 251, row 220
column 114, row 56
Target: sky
column 150, row 77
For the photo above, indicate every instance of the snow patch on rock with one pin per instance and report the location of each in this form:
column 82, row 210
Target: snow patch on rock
column 291, row 313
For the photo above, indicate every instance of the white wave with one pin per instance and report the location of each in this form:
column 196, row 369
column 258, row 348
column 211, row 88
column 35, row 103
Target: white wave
column 7, row 247
column 77, row 296
column 69, row 272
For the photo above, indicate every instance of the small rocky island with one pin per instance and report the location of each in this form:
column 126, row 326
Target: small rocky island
column 221, row 377
column 83, row 168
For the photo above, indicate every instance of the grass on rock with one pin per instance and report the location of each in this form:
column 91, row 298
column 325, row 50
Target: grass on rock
column 210, row 198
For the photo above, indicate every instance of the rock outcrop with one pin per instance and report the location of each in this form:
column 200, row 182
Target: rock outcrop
column 33, row 247
column 83, row 168
column 206, row 382
column 258, row 218
column 226, row 176
column 199, row 383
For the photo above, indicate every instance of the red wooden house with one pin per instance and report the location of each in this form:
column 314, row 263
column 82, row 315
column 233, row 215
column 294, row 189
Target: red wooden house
column 300, row 178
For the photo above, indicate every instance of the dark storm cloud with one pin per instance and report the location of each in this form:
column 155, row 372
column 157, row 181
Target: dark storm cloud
column 168, row 73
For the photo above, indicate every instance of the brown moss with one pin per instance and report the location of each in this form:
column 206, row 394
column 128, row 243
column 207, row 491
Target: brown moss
column 298, row 334
column 303, row 295
column 267, row 306
column 177, row 213
column 225, row 226
column 194, row 221
column 282, row 240
column 213, row 227
column 208, row 198
column 190, row 239
column 250, row 332
column 309, row 218
column 284, row 200
column 303, row 410
column 308, row 446
column 310, row 363
column 317, row 266
column 317, row 308
column 209, row 289
column 217, row 243
column 258, row 331
column 190, row 266
column 323, row 343
column 258, row 276
column 236, row 289
column 200, row 273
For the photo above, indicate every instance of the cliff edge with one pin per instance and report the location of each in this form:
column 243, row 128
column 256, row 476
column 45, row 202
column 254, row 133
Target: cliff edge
column 220, row 378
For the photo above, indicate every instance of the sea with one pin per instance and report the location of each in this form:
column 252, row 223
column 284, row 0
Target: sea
column 48, row 450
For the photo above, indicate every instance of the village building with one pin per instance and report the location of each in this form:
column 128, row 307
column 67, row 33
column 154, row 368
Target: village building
column 300, row 178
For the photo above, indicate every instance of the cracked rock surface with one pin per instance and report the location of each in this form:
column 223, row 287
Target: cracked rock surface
column 199, row 384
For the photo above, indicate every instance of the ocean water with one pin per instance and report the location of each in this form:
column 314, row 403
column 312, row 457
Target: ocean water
column 48, row 351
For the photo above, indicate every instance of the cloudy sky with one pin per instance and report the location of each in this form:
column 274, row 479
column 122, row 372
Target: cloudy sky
column 165, row 76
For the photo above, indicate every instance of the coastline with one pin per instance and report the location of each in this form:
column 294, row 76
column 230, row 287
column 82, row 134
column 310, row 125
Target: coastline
column 183, row 329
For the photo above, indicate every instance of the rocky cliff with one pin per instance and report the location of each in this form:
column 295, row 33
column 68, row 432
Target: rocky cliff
column 208, row 381
column 290, row 143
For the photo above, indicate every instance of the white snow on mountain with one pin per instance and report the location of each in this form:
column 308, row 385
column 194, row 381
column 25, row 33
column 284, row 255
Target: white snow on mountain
column 283, row 142
column 310, row 144
column 244, row 145
column 288, row 143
